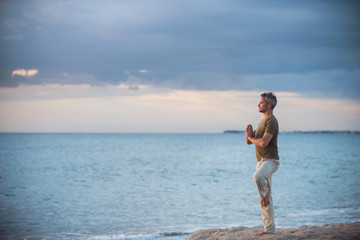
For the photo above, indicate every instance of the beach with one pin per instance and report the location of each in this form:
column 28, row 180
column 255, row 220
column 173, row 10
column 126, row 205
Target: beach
column 327, row 231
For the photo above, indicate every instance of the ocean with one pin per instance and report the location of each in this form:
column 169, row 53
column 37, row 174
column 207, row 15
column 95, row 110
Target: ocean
column 166, row 186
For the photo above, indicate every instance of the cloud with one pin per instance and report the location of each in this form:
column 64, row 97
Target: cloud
column 232, row 45
column 25, row 72
column 134, row 88
column 51, row 91
column 86, row 108
column 21, row 72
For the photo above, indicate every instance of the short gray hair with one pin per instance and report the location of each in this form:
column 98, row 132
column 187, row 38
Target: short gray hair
column 270, row 98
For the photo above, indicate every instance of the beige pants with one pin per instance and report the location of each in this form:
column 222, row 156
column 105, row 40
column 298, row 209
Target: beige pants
column 262, row 177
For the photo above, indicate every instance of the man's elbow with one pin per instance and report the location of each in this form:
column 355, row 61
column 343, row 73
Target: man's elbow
column 264, row 144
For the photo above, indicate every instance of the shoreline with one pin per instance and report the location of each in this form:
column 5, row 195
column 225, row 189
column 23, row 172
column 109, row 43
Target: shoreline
column 325, row 231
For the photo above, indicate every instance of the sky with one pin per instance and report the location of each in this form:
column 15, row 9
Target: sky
column 177, row 66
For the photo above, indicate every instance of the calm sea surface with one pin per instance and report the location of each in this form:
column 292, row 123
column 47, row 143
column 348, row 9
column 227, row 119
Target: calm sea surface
column 165, row 186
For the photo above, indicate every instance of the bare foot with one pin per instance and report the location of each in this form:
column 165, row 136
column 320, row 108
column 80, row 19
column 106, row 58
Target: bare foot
column 262, row 234
column 264, row 202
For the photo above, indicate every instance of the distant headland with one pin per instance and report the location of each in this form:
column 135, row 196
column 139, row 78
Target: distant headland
column 305, row 132
column 233, row 131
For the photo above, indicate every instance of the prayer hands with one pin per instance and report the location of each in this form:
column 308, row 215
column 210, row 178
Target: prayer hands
column 249, row 131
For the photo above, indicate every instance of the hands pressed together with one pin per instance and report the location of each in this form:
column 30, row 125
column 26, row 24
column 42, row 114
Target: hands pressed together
column 249, row 131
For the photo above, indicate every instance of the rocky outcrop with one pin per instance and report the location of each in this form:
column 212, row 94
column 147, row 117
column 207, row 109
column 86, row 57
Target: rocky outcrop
column 349, row 231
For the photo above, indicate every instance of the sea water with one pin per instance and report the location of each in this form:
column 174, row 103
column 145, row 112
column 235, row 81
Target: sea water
column 166, row 186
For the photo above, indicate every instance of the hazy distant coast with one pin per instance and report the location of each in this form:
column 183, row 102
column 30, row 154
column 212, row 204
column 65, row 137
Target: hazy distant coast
column 313, row 132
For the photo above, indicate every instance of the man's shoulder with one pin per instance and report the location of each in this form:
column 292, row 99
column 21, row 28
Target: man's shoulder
column 272, row 119
column 272, row 122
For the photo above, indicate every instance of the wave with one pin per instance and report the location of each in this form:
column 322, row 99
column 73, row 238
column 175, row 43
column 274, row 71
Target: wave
column 114, row 236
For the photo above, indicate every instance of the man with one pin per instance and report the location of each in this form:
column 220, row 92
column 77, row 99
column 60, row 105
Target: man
column 265, row 141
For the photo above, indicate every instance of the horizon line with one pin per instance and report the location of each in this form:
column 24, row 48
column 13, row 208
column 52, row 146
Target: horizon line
column 223, row 132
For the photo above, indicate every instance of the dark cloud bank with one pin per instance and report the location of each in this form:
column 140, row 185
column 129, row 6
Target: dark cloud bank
column 307, row 46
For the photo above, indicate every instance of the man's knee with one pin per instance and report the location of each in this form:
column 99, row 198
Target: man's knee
column 258, row 178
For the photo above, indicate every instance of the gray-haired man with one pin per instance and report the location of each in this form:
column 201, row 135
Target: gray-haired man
column 265, row 141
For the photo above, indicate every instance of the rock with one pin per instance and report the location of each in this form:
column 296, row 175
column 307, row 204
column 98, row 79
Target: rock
column 343, row 231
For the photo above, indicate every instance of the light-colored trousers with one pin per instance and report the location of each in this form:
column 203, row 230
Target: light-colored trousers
column 262, row 177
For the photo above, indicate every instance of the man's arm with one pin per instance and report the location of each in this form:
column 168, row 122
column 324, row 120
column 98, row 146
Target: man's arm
column 260, row 142
column 248, row 141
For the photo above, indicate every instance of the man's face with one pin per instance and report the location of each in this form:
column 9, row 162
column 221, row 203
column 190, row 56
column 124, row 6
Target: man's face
column 263, row 105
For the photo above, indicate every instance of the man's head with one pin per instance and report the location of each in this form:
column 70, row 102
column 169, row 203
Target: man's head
column 267, row 98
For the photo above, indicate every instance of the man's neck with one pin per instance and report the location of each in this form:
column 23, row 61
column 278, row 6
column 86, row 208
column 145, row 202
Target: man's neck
column 268, row 114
